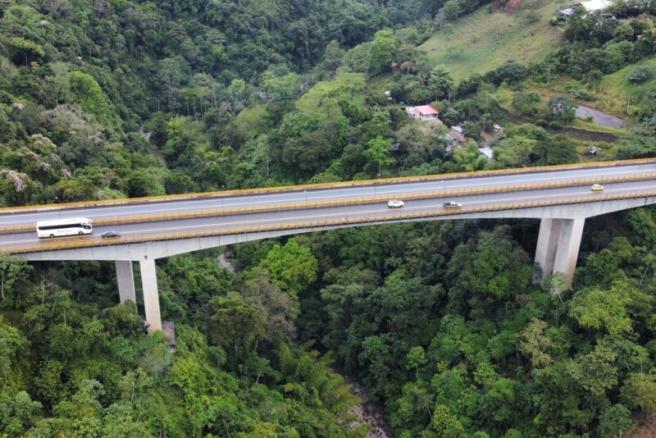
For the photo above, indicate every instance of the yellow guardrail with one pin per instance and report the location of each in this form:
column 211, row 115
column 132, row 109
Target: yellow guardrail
column 362, row 200
column 317, row 224
column 321, row 186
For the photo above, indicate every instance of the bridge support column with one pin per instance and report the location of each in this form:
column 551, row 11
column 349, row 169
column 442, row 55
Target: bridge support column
column 571, row 231
column 150, row 294
column 545, row 252
column 558, row 248
column 125, row 280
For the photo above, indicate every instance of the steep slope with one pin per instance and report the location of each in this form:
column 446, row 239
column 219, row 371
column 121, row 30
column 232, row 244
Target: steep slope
column 484, row 40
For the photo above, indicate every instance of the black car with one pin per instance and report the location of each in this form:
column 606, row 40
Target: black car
column 110, row 234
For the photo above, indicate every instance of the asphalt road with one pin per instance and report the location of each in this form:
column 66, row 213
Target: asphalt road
column 599, row 117
column 392, row 190
column 217, row 223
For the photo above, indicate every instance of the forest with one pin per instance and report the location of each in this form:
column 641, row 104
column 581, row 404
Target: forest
column 439, row 323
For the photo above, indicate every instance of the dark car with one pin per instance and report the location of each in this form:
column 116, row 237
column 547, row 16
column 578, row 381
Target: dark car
column 110, row 234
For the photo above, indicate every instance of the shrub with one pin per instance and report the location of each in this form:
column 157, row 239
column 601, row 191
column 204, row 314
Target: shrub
column 561, row 110
column 640, row 75
column 526, row 103
column 531, row 17
column 511, row 72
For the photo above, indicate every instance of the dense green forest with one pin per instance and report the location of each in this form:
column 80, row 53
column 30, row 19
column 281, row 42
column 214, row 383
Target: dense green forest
column 438, row 322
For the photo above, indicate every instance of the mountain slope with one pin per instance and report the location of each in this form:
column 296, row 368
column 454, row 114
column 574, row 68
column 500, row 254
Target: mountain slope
column 482, row 41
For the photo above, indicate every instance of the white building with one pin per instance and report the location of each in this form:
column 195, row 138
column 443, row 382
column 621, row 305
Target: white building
column 590, row 6
column 596, row 5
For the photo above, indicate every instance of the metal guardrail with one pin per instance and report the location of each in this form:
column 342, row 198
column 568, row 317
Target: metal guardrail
column 322, row 186
column 362, row 200
column 318, row 224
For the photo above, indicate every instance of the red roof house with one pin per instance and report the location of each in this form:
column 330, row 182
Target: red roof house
column 422, row 112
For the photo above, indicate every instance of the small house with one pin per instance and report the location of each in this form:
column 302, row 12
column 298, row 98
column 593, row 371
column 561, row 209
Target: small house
column 487, row 152
column 590, row 7
column 457, row 134
column 596, row 5
column 422, row 112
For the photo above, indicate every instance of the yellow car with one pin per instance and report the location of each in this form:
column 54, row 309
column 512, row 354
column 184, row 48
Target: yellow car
column 597, row 188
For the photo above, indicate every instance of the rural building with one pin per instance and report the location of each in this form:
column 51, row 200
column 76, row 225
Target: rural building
column 457, row 134
column 590, row 7
column 422, row 112
column 487, row 152
column 595, row 5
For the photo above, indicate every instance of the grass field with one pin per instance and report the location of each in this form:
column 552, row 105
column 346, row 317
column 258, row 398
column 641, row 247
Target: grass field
column 616, row 93
column 322, row 99
column 482, row 41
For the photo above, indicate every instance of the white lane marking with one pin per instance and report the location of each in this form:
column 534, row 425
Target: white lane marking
column 330, row 194
column 187, row 206
column 378, row 210
column 343, row 213
column 17, row 241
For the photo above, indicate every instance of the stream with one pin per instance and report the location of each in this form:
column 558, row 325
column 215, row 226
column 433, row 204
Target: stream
column 370, row 412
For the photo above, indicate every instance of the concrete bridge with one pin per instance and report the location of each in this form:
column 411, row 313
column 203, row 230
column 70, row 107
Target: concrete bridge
column 158, row 227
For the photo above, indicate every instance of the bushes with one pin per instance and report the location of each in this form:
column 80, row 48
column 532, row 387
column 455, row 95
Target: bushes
column 526, row 103
column 640, row 75
column 561, row 110
column 511, row 73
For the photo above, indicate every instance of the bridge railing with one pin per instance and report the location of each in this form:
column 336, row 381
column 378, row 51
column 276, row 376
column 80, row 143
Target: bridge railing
column 324, row 186
column 386, row 217
column 347, row 202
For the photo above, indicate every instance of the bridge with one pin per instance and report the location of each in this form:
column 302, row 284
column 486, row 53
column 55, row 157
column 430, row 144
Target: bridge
column 158, row 227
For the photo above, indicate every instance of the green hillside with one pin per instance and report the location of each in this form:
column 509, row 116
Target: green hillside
column 617, row 94
column 482, row 41
column 438, row 325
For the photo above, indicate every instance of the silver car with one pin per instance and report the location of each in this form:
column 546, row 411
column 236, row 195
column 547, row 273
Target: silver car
column 395, row 203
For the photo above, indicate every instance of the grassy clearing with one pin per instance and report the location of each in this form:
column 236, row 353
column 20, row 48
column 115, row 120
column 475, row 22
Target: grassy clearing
column 482, row 41
column 589, row 126
column 616, row 93
column 582, row 148
column 323, row 98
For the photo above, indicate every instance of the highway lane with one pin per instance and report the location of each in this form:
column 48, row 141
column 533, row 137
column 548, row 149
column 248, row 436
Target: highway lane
column 391, row 190
column 291, row 216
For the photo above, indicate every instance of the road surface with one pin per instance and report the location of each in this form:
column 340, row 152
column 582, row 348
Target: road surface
column 391, row 190
column 599, row 117
column 303, row 215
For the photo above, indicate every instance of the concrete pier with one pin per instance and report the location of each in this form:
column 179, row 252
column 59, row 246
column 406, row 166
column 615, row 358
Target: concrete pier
column 546, row 249
column 125, row 280
column 557, row 250
column 150, row 294
column 569, row 242
column 561, row 229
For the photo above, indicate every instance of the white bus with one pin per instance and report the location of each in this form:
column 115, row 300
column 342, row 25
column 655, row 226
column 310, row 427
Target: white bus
column 64, row 227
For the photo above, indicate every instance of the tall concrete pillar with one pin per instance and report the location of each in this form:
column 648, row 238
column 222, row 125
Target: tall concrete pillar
column 125, row 280
column 150, row 294
column 545, row 252
column 569, row 242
